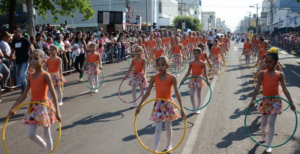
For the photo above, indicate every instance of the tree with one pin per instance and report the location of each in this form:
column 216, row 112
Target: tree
column 192, row 23
column 252, row 28
column 56, row 7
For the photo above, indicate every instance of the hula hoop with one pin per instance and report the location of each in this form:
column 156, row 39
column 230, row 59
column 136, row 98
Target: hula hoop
column 210, row 71
column 225, row 63
column 245, row 64
column 184, row 60
column 122, row 83
column 128, row 59
column 209, row 91
column 20, row 106
column 62, row 84
column 274, row 146
column 137, row 135
column 102, row 77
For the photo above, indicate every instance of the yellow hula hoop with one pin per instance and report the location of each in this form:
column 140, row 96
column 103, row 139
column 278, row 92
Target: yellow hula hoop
column 137, row 135
column 62, row 84
column 224, row 70
column 210, row 71
column 20, row 106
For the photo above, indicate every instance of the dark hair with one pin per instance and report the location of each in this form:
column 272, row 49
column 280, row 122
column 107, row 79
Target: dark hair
column 262, row 39
column 274, row 56
column 76, row 38
column 197, row 49
column 31, row 38
column 38, row 34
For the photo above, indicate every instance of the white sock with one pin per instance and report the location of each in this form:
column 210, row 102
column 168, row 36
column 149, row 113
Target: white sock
column 133, row 95
column 199, row 97
column 90, row 78
column 192, row 96
column 35, row 138
column 96, row 80
column 58, row 90
column 48, row 139
column 158, row 130
column 272, row 119
column 168, row 125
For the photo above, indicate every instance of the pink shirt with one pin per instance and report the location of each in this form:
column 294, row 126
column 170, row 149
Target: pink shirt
column 101, row 40
column 47, row 45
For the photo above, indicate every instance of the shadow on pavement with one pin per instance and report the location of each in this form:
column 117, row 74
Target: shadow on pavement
column 150, row 129
column 245, row 76
column 239, row 134
column 96, row 118
column 14, row 118
column 253, row 150
column 238, row 113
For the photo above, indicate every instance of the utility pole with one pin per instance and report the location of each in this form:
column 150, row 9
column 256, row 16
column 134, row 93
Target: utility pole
column 271, row 17
column 146, row 15
column 257, row 19
column 181, row 8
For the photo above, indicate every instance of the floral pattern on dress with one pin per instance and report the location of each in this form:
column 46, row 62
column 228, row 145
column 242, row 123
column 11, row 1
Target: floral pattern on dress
column 56, row 79
column 270, row 106
column 92, row 68
column 137, row 80
column 196, row 83
column 216, row 58
column 40, row 115
column 247, row 52
column 177, row 59
column 163, row 110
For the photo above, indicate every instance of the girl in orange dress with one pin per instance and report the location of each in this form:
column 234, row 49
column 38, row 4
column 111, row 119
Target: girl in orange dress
column 216, row 57
column 254, row 45
column 260, row 46
column 167, row 44
column 139, row 43
column 185, row 44
column 204, row 41
column 270, row 107
column 171, row 38
column 54, row 65
column 195, row 39
column 151, row 44
column 197, row 67
column 191, row 46
column 177, row 51
column 93, row 70
column 37, row 114
column 226, row 40
column 162, row 110
column 203, row 56
column 247, row 51
column 199, row 38
column 136, row 80
column 158, row 52
column 163, row 41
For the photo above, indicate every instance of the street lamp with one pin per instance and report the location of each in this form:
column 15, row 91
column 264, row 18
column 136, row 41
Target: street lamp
column 253, row 5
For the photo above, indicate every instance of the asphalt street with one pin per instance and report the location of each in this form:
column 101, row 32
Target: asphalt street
column 100, row 123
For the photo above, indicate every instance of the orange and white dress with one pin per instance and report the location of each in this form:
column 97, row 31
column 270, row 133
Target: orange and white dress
column 185, row 45
column 38, row 114
column 191, row 41
column 163, row 110
column 216, row 55
column 247, row 49
column 137, row 80
column 54, row 72
column 177, row 54
column 270, row 88
column 93, row 63
column 151, row 46
column 197, row 71
column 157, row 54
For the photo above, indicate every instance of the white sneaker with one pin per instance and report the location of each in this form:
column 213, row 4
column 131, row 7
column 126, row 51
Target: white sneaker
column 95, row 91
column 177, row 75
column 269, row 150
column 198, row 111
column 60, row 104
column 91, row 90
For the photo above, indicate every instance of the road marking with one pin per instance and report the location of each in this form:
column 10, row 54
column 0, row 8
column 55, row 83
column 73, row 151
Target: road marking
column 295, row 73
column 190, row 143
column 283, row 52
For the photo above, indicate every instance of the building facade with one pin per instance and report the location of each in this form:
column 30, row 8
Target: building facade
column 209, row 21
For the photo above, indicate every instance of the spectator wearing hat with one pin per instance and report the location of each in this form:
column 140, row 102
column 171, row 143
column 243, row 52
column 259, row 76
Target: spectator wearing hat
column 20, row 48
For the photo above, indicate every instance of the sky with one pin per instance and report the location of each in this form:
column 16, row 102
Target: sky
column 232, row 11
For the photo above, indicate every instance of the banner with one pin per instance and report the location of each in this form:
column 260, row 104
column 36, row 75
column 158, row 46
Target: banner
column 282, row 21
column 293, row 20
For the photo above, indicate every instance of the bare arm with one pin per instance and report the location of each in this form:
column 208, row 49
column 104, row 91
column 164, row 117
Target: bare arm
column 48, row 79
column 60, row 68
column 207, row 60
column 130, row 68
column 100, row 61
column 187, row 73
column 257, row 88
column 286, row 92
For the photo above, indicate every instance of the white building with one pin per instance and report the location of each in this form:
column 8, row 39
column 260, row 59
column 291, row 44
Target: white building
column 208, row 20
column 190, row 7
column 161, row 12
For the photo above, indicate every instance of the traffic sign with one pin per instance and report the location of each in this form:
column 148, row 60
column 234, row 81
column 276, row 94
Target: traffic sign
column 183, row 26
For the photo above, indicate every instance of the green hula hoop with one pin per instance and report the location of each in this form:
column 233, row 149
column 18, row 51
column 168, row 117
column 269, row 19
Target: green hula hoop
column 128, row 59
column 273, row 146
column 185, row 61
column 209, row 91
column 85, row 82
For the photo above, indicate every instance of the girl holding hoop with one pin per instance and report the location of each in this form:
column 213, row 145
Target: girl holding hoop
column 139, row 65
column 54, row 65
column 139, row 43
column 254, row 45
column 247, row 51
column 185, row 44
column 270, row 107
column 177, row 51
column 191, row 47
column 37, row 114
column 163, row 111
column 203, row 56
column 216, row 57
column 196, row 66
column 93, row 70
column 158, row 51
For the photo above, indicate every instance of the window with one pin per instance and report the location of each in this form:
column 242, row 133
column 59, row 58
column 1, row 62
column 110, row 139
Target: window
column 200, row 2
